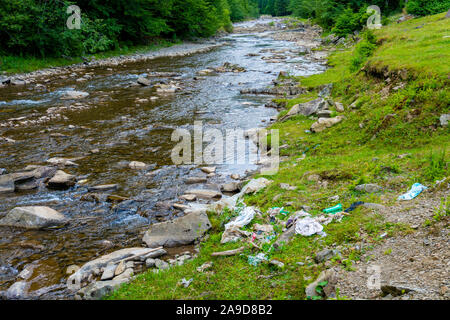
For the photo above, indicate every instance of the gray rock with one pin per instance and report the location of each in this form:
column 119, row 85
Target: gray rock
column 285, row 237
column 108, row 274
column 97, row 290
column 70, row 95
column 396, row 290
column 231, row 187
column 277, row 263
column 33, row 218
column 329, row 290
column 18, row 290
column 105, row 187
column 150, row 263
column 307, row 109
column 6, row 184
column 161, row 265
column 3, row 171
column 205, row 194
column 324, row 114
column 125, row 275
column 255, row 185
column 61, row 180
column 27, row 272
column 324, row 255
column 143, row 81
column 324, row 123
column 444, row 119
column 369, row 188
column 339, row 107
column 181, row 231
column 374, row 206
column 326, row 91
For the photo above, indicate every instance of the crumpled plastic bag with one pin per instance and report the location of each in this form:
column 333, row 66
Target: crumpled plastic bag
column 307, row 227
column 233, row 234
column 415, row 190
column 257, row 259
column 243, row 219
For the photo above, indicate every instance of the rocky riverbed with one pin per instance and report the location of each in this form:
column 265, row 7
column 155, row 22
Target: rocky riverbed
column 85, row 153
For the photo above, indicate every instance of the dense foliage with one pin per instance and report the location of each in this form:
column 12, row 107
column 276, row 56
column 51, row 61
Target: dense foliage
column 38, row 27
column 345, row 16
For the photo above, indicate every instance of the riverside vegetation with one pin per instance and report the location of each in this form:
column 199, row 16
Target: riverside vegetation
column 393, row 87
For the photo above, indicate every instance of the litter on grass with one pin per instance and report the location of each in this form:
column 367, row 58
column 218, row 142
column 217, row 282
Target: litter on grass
column 186, row 283
column 243, row 219
column 307, row 227
column 336, row 208
column 415, row 190
column 257, row 259
column 354, row 206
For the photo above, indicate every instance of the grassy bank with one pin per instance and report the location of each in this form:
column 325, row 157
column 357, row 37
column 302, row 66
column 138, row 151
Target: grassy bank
column 391, row 136
column 16, row 64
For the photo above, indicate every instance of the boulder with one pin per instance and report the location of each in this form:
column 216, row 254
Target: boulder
column 208, row 169
column 285, row 237
column 181, row 231
column 33, row 218
column 195, row 180
column 307, row 109
column 255, row 185
column 324, row 255
column 205, row 194
column 137, row 165
column 61, row 180
column 69, row 95
column 6, row 184
column 324, row 123
column 339, row 107
column 231, row 187
column 17, row 291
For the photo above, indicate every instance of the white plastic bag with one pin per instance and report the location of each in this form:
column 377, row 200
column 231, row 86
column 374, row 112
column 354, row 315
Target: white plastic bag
column 307, row 227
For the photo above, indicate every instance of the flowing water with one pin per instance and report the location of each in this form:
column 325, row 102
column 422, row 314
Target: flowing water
column 124, row 131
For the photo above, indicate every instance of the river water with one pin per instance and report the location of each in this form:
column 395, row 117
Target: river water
column 123, row 130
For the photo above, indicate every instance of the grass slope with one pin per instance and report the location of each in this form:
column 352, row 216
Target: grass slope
column 398, row 97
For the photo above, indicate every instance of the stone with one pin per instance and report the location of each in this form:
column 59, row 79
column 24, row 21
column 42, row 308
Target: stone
column 339, row 107
column 143, row 81
column 327, row 275
column 235, row 176
column 205, row 266
column 444, row 119
column 324, row 114
column 33, row 218
column 120, row 268
column 61, row 180
column 62, row 162
column 150, row 262
column 180, row 231
column 368, row 188
column 195, row 180
column 18, row 290
column 205, row 194
column 108, row 273
column 161, row 265
column 324, row 255
column 3, row 171
column 324, row 123
column 96, row 290
column 231, row 187
column 208, row 169
column 70, row 95
column 285, row 237
column 374, row 206
column 6, row 184
column 125, row 275
column 27, row 272
column 113, row 259
column 255, row 185
column 189, row 197
column 307, row 109
column 104, row 187
column 137, row 165
column 288, row 187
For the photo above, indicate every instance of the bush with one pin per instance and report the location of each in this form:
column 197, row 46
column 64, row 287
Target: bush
column 427, row 7
column 349, row 21
column 363, row 50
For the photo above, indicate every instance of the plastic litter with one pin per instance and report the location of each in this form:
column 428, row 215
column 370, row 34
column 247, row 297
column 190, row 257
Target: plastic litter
column 243, row 219
column 274, row 211
column 354, row 206
column 186, row 283
column 415, row 190
column 336, row 208
column 257, row 259
column 307, row 227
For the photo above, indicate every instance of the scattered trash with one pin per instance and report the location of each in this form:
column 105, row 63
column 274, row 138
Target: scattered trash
column 275, row 210
column 336, row 208
column 415, row 190
column 297, row 215
column 233, row 234
column 205, row 266
column 307, row 227
column 354, row 206
column 277, row 263
column 186, row 283
column 243, row 219
column 257, row 259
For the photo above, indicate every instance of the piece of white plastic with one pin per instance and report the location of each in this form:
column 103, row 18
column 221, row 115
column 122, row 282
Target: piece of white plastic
column 307, row 227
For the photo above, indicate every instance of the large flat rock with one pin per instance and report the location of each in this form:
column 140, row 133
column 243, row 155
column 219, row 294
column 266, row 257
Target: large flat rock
column 33, row 218
column 181, row 231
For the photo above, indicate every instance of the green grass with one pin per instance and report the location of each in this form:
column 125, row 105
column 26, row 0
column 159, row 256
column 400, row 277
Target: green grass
column 17, row 64
column 364, row 148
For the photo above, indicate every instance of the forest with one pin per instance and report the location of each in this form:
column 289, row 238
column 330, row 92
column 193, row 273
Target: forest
column 38, row 28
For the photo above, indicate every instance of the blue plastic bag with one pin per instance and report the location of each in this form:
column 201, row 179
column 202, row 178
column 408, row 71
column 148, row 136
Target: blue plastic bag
column 415, row 190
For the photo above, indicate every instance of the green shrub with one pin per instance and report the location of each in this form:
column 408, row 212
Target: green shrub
column 363, row 50
column 427, row 7
column 349, row 21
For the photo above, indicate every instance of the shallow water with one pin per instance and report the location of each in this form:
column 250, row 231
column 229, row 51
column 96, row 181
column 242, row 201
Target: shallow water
column 125, row 131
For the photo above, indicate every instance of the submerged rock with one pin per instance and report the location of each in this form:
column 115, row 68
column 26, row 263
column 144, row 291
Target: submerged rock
column 61, row 180
column 18, row 290
column 181, row 231
column 69, row 95
column 143, row 81
column 33, row 218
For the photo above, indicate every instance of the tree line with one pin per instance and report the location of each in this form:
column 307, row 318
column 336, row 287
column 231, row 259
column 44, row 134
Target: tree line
column 38, row 27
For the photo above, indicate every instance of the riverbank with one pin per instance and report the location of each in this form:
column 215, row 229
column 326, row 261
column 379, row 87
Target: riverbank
column 372, row 133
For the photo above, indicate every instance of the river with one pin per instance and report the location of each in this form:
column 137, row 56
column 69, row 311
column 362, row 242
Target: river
column 123, row 129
